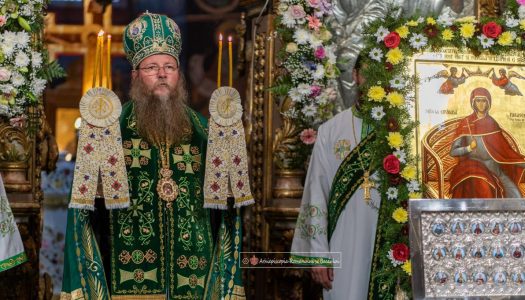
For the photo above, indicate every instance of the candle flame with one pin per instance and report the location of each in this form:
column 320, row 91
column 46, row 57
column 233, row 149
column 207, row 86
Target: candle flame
column 229, row 38
column 220, row 37
column 109, row 36
column 101, row 32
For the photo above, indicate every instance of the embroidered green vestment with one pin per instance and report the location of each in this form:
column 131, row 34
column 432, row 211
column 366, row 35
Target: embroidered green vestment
column 158, row 251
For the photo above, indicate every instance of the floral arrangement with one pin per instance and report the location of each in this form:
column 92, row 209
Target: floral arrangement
column 387, row 96
column 309, row 61
column 24, row 70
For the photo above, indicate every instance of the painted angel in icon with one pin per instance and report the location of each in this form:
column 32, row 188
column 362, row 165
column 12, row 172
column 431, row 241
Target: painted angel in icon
column 503, row 81
column 452, row 80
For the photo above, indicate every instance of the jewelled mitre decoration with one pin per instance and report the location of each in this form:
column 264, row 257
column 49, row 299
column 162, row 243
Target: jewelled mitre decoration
column 226, row 157
column 99, row 152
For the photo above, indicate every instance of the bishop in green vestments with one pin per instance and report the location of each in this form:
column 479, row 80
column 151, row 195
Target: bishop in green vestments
column 161, row 247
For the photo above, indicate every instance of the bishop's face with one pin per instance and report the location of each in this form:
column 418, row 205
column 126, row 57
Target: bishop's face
column 159, row 73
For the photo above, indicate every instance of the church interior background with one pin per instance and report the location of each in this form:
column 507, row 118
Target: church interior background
column 39, row 201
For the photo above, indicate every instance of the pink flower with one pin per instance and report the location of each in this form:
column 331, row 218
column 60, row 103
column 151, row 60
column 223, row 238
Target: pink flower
column 315, row 91
column 3, row 20
column 18, row 121
column 296, row 11
column 319, row 53
column 314, row 3
column 308, row 136
column 521, row 2
column 313, row 23
column 5, row 74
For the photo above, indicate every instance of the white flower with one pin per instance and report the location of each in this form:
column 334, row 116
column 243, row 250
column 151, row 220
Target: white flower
column 401, row 155
column 521, row 12
column 27, row 9
column 309, row 110
column 301, row 36
column 329, row 52
column 413, row 186
column 511, row 22
column 304, row 89
column 397, row 82
column 418, row 41
column 17, row 79
column 485, row 41
column 22, row 39
column 392, row 259
column 295, row 95
column 445, row 20
column 9, row 42
column 4, row 110
column 377, row 113
column 381, row 33
column 420, row 20
column 391, row 193
column 291, row 113
column 315, row 42
column 21, row 60
column 38, row 86
column 319, row 72
column 36, row 59
column 7, row 88
column 376, row 54
column 288, row 21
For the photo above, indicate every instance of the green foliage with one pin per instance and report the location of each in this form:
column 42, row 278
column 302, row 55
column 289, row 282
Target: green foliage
column 53, row 71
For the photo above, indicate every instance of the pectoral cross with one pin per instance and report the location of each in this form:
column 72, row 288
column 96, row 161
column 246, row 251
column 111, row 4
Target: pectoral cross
column 366, row 186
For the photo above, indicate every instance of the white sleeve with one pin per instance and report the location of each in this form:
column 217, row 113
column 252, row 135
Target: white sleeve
column 312, row 223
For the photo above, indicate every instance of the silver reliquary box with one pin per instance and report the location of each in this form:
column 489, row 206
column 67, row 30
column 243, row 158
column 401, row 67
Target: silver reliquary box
column 467, row 248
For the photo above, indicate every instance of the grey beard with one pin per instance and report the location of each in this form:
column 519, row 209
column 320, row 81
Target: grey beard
column 161, row 119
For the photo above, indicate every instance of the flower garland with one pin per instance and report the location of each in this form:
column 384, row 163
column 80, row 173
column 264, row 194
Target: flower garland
column 22, row 56
column 309, row 62
column 387, row 94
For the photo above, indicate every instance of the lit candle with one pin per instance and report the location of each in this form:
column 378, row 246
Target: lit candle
column 219, row 62
column 230, row 61
column 99, row 62
column 97, row 55
column 109, row 80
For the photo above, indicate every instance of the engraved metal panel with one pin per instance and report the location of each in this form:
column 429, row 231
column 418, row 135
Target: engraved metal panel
column 467, row 248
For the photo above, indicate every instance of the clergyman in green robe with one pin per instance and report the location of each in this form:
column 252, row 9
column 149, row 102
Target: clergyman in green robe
column 160, row 247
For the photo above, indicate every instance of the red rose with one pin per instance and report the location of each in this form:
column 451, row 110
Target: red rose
column 400, row 252
column 392, row 40
column 391, row 164
column 492, row 29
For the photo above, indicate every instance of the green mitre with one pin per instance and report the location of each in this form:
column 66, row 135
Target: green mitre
column 151, row 34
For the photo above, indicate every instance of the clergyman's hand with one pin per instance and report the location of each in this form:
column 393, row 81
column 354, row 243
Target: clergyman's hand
column 324, row 276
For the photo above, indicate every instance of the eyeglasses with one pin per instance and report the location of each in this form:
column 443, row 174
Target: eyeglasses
column 154, row 69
